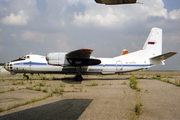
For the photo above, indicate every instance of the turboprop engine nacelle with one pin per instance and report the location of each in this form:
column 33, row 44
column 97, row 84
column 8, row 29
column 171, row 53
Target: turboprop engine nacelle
column 57, row 58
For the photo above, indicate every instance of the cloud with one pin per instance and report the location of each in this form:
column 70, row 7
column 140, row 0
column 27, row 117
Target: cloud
column 175, row 14
column 106, row 20
column 14, row 35
column 71, row 2
column 121, row 15
column 60, row 41
column 33, row 36
column 54, row 41
column 18, row 12
column 20, row 19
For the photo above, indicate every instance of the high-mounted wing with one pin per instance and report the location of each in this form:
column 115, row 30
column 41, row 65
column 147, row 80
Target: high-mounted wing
column 81, row 53
column 164, row 56
column 81, row 57
column 114, row 2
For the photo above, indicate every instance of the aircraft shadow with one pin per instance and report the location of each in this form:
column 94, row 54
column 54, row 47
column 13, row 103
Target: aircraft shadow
column 105, row 78
column 73, row 81
column 68, row 109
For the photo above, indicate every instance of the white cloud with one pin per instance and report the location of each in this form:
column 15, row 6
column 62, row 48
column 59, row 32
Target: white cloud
column 60, row 41
column 20, row 19
column 18, row 12
column 62, row 45
column 27, row 35
column 112, row 16
column 71, row 2
column 35, row 36
column 14, row 35
column 106, row 20
column 175, row 14
column 30, row 6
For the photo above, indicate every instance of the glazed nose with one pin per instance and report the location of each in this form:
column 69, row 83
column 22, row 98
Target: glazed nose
column 7, row 66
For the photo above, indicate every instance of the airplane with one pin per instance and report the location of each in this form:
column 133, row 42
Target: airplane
column 80, row 62
column 115, row 2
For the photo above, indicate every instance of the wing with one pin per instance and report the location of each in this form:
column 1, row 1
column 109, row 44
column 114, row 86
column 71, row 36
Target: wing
column 114, row 2
column 81, row 53
column 164, row 56
column 81, row 57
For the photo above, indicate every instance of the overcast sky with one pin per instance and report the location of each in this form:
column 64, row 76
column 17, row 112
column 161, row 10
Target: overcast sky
column 43, row 26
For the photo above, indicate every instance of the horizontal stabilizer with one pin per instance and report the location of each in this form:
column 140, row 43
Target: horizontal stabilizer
column 164, row 56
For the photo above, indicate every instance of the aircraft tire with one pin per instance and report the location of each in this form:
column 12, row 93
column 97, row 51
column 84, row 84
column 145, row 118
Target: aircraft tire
column 79, row 78
column 26, row 77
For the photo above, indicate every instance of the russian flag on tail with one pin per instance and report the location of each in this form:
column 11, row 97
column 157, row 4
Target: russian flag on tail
column 151, row 43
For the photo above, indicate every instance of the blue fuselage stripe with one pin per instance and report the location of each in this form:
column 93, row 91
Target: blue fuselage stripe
column 28, row 63
column 100, row 65
column 125, row 65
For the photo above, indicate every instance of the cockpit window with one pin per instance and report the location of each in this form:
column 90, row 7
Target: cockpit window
column 27, row 57
column 24, row 57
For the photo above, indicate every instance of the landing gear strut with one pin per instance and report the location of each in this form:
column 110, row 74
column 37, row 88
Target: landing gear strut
column 78, row 76
column 25, row 76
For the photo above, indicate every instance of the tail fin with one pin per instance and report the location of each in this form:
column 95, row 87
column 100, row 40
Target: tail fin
column 153, row 44
column 151, row 51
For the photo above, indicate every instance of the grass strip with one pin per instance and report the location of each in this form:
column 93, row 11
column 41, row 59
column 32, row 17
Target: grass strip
column 93, row 84
column 2, row 92
column 27, row 102
column 177, row 82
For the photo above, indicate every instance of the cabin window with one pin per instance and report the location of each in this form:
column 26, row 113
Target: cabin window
column 27, row 57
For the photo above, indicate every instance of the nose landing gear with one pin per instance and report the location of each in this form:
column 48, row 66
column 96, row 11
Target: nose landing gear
column 25, row 76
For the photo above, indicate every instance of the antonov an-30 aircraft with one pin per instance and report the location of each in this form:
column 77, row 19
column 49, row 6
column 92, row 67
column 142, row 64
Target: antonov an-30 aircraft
column 80, row 62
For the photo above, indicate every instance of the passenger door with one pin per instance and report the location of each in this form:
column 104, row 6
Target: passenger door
column 119, row 65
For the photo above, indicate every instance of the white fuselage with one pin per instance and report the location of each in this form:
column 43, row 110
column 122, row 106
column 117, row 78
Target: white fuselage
column 38, row 64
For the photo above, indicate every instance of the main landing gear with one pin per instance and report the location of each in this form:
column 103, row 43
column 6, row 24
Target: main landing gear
column 78, row 78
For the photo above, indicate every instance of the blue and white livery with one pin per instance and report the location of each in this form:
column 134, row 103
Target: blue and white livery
column 80, row 62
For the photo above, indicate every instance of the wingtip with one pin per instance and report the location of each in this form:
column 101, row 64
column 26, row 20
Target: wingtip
column 173, row 52
column 86, row 49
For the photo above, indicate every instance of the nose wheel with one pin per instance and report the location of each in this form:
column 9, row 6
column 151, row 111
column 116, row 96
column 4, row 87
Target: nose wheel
column 25, row 76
